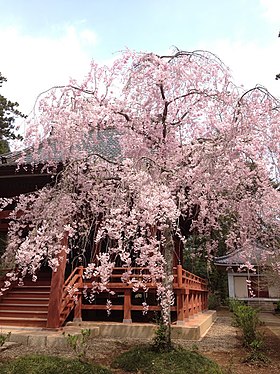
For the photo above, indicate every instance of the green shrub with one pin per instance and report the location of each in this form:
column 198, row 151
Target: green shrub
column 40, row 364
column 246, row 318
column 277, row 309
column 214, row 302
column 144, row 360
column 256, row 354
column 257, row 357
column 79, row 343
column 234, row 303
column 160, row 343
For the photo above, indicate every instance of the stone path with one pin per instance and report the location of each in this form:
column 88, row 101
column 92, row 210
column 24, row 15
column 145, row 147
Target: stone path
column 272, row 322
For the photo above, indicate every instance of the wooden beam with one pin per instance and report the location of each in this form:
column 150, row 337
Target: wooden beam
column 180, row 308
column 127, row 306
column 56, row 292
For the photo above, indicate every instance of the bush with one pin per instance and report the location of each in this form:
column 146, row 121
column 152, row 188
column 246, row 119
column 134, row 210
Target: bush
column 234, row 303
column 214, row 302
column 40, row 364
column 160, row 343
column 80, row 343
column 246, row 318
column 277, row 309
column 144, row 360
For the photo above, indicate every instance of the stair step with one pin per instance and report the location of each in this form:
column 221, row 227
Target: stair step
column 13, row 306
column 27, row 304
column 27, row 295
column 43, row 283
column 24, row 300
column 24, row 313
column 29, row 292
column 33, row 288
column 13, row 321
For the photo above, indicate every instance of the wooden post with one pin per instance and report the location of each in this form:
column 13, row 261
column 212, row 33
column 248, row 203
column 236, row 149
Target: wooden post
column 57, row 283
column 180, row 308
column 180, row 276
column 127, row 306
column 78, row 305
column 78, row 309
column 186, row 306
column 191, row 304
column 199, row 306
column 195, row 303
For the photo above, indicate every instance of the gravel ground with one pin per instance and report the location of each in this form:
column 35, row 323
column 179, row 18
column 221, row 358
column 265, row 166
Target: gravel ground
column 220, row 344
column 221, row 336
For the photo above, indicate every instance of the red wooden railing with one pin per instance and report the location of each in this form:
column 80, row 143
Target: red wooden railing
column 71, row 296
column 190, row 291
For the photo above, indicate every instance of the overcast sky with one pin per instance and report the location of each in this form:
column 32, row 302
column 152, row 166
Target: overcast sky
column 44, row 42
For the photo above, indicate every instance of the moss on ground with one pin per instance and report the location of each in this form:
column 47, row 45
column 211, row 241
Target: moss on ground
column 42, row 364
column 144, row 360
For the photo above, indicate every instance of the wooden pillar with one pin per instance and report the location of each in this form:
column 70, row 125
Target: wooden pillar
column 199, row 302
column 195, row 303
column 78, row 305
column 127, row 306
column 191, row 304
column 78, row 309
column 180, row 308
column 186, row 306
column 202, row 301
column 180, row 276
column 56, row 291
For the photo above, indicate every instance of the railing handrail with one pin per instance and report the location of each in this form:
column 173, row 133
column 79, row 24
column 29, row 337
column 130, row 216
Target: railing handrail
column 68, row 280
column 68, row 298
column 186, row 285
column 136, row 272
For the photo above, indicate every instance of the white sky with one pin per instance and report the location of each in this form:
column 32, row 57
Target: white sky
column 45, row 43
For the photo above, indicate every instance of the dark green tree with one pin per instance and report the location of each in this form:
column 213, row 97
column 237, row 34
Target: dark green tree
column 8, row 114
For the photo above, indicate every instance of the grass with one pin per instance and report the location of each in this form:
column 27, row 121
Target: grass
column 42, row 364
column 143, row 360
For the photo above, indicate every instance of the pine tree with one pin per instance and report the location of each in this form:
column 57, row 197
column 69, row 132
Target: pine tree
column 8, row 113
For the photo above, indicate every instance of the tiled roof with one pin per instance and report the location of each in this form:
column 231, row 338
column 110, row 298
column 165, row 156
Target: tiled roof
column 239, row 257
column 105, row 143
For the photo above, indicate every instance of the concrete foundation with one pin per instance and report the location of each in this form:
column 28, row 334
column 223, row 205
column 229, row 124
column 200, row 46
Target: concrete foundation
column 193, row 329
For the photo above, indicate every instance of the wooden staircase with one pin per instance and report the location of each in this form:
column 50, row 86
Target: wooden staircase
column 26, row 306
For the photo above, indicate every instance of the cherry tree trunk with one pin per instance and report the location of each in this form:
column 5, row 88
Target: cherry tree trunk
column 168, row 282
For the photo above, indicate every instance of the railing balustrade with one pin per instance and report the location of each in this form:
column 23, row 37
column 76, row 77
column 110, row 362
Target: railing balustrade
column 190, row 291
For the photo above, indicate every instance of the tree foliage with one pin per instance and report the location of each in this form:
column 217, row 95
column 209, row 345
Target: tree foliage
column 196, row 152
column 8, row 113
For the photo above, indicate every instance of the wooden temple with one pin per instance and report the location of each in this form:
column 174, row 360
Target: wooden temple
column 58, row 297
